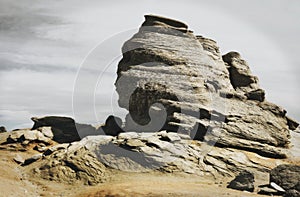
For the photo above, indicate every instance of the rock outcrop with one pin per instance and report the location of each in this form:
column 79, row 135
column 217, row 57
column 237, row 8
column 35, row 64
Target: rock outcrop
column 92, row 159
column 201, row 93
column 112, row 126
column 64, row 129
column 191, row 110
column 26, row 139
column 71, row 163
column 27, row 136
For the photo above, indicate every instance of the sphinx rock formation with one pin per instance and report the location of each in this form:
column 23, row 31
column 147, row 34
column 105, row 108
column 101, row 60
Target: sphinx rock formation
column 191, row 110
column 204, row 94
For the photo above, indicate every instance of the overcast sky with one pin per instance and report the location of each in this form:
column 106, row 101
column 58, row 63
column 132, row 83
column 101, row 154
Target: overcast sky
column 43, row 44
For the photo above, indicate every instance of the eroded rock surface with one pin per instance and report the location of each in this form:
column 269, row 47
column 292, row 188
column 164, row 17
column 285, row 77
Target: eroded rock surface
column 204, row 94
column 27, row 136
column 191, row 110
column 71, row 163
column 286, row 176
column 92, row 159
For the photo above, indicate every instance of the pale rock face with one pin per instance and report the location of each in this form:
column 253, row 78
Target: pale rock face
column 203, row 94
column 26, row 136
column 92, row 159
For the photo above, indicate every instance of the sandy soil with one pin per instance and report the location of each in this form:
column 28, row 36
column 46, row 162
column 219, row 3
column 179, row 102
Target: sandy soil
column 15, row 182
column 162, row 185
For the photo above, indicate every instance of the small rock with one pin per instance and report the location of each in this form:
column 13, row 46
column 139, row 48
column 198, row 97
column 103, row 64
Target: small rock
column 293, row 124
column 32, row 159
column 42, row 138
column 184, row 136
column 2, row 129
column 171, row 137
column 128, row 135
column 40, row 148
column 15, row 135
column 134, row 143
column 50, row 150
column 30, row 135
column 244, row 181
column 42, row 145
column 47, row 131
column 25, row 142
column 268, row 190
column 19, row 159
column 277, row 187
column 258, row 95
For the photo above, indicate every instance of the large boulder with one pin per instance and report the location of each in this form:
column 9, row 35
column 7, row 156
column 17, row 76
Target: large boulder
column 244, row 181
column 287, row 176
column 204, row 94
column 239, row 72
column 64, row 129
column 113, row 126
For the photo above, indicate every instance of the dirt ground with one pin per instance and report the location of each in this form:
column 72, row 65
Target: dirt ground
column 162, row 185
column 15, row 182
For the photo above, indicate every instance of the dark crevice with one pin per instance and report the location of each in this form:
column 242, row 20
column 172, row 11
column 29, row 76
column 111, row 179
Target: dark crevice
column 164, row 138
column 201, row 132
column 250, row 149
column 238, row 78
column 73, row 166
column 150, row 144
column 126, row 147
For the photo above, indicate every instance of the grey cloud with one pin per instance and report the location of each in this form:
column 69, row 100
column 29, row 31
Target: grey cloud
column 17, row 18
column 7, row 65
